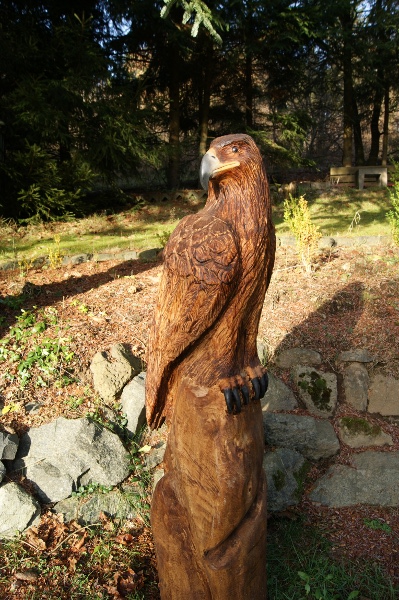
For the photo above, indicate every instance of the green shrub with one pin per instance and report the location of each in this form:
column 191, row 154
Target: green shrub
column 307, row 235
column 43, row 188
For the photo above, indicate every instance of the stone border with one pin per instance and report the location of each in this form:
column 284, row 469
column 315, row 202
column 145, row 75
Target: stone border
column 151, row 254
column 77, row 259
column 341, row 241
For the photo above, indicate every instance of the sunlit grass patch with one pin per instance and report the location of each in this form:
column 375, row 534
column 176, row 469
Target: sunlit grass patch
column 145, row 225
column 333, row 212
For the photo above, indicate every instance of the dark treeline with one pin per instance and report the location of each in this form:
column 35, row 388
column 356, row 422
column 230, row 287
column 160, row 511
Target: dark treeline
column 95, row 91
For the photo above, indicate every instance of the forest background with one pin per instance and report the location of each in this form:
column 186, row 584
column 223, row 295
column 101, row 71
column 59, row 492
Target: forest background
column 96, row 93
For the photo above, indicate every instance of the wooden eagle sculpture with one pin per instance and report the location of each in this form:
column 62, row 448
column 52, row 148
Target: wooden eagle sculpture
column 204, row 376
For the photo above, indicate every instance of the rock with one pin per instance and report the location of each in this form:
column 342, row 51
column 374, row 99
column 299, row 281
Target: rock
column 87, row 510
column 286, row 240
column 262, row 351
column 133, row 403
column 110, row 376
column 384, row 395
column 158, row 474
column 311, row 437
column 326, row 242
column 373, row 480
column 297, row 356
column 33, row 407
column 40, row 262
column 149, row 255
column 345, row 241
column 285, row 471
column 8, row 445
column 357, row 433
column 103, row 256
column 18, row 510
column 9, row 265
column 51, row 482
column 317, row 389
column 356, row 384
column 356, row 355
column 362, row 240
column 155, row 456
column 278, row 396
column 77, row 259
column 2, row 471
column 130, row 255
column 61, row 456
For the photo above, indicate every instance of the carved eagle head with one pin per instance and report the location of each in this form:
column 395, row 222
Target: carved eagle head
column 225, row 155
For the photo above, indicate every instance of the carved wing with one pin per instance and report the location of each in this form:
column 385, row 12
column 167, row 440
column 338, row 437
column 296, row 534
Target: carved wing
column 201, row 270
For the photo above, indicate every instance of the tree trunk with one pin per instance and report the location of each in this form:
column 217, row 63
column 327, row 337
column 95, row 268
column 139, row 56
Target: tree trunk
column 347, row 141
column 347, row 24
column 384, row 155
column 357, row 135
column 249, row 92
column 174, row 117
column 205, row 101
column 374, row 126
column 64, row 153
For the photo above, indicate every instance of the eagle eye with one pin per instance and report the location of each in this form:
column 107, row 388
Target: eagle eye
column 234, row 149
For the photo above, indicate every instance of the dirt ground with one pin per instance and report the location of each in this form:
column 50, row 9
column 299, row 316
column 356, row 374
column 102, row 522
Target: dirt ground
column 350, row 300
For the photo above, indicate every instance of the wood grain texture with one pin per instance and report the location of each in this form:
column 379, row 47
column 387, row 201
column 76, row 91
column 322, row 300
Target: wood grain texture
column 209, row 510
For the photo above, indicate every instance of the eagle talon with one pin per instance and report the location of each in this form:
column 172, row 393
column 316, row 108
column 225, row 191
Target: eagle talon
column 256, row 386
column 239, row 395
column 264, row 384
column 245, row 394
column 233, row 399
column 237, row 399
column 228, row 395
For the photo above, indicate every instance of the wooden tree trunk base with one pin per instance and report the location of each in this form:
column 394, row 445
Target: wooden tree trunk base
column 208, row 512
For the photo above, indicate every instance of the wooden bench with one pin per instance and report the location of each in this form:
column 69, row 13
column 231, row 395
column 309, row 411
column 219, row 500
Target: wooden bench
column 343, row 175
column 358, row 175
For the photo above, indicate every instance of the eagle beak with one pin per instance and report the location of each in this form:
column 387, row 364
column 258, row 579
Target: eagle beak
column 211, row 166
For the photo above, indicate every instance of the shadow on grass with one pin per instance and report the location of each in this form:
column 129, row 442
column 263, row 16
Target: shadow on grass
column 300, row 566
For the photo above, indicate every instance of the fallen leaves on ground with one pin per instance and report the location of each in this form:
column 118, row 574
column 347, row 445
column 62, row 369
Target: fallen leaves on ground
column 101, row 562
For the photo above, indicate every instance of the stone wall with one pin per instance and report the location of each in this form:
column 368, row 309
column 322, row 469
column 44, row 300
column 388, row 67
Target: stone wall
column 345, row 420
column 341, row 423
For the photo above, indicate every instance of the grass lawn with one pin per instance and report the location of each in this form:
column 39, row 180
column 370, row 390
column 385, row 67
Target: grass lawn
column 146, row 225
column 345, row 212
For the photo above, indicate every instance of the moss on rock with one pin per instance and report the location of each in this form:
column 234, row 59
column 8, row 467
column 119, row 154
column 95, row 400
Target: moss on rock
column 300, row 477
column 279, row 480
column 317, row 389
column 357, row 426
